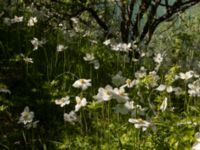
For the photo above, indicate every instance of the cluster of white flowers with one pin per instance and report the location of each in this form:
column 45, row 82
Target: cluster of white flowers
column 89, row 57
column 123, row 47
column 71, row 117
column 16, row 19
column 27, row 117
column 152, row 79
column 108, row 93
column 163, row 87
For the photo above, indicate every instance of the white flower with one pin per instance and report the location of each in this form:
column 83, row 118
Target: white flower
column 187, row 75
column 120, row 95
column 70, row 117
column 32, row 21
column 140, row 123
column 163, row 87
column 194, row 88
column 129, row 105
column 104, row 94
column 5, row 90
column 158, row 58
column 82, row 83
column 60, row 48
column 107, row 42
column 26, row 116
column 169, row 89
column 196, row 146
column 121, row 47
column 28, row 60
column 164, row 105
column 63, row 101
column 118, row 79
column 96, row 64
column 17, row 19
column 74, row 20
column 130, row 83
column 89, row 57
column 141, row 73
column 80, row 103
column 153, row 78
column 36, row 43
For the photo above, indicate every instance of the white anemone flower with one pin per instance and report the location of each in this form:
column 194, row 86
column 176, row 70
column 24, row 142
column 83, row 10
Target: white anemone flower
column 187, row 75
column 80, row 102
column 74, row 20
column 141, row 73
column 124, row 47
column 70, row 117
column 130, row 83
column 26, row 116
column 194, row 88
column 107, row 42
column 158, row 58
column 164, row 105
column 89, row 57
column 104, row 94
column 82, row 83
column 63, row 101
column 163, row 87
column 129, row 105
column 32, row 21
column 139, row 123
column 28, row 60
column 17, row 19
column 120, row 95
column 60, row 48
column 36, row 43
column 196, row 146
